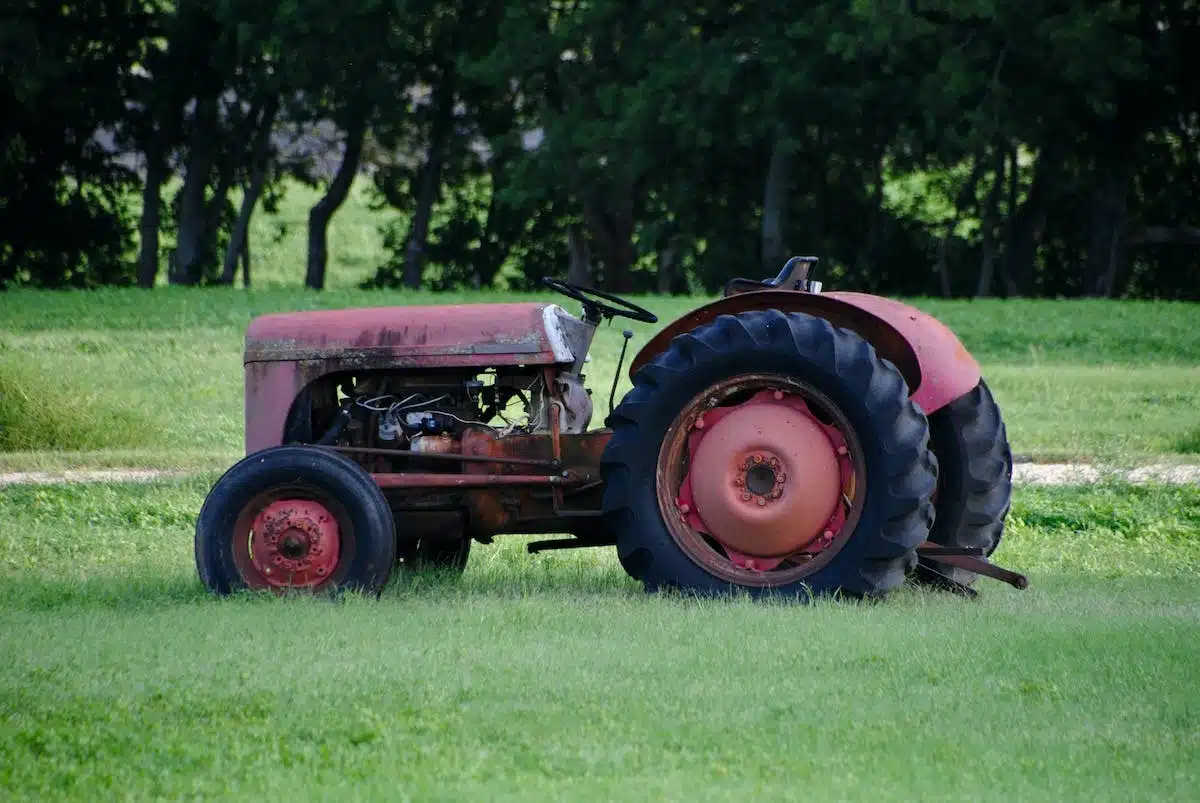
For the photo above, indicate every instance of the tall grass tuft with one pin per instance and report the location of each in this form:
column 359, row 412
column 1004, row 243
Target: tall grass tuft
column 1189, row 442
column 43, row 411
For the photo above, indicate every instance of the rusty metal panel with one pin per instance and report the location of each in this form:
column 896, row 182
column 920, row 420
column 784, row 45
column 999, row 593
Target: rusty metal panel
column 270, row 389
column 934, row 363
column 406, row 480
column 947, row 369
column 500, row 509
column 417, row 336
column 580, row 453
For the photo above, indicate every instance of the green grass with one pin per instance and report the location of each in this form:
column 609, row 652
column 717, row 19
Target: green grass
column 35, row 416
column 1112, row 381
column 1189, row 442
column 130, row 378
column 554, row 677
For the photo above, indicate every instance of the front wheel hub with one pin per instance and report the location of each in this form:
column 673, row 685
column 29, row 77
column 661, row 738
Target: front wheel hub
column 766, row 479
column 295, row 543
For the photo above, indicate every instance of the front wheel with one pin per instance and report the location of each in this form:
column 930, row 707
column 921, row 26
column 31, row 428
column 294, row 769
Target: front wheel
column 769, row 451
column 295, row 518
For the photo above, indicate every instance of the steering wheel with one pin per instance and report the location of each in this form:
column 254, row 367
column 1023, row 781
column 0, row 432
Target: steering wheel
column 595, row 310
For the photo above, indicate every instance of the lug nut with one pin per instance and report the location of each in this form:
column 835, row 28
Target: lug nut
column 762, row 501
column 746, row 496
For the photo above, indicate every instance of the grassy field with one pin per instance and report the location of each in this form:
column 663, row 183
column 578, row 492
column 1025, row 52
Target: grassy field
column 554, row 677
column 126, row 378
column 120, row 378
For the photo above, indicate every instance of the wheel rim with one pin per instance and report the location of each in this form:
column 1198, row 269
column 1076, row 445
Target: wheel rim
column 761, row 480
column 292, row 538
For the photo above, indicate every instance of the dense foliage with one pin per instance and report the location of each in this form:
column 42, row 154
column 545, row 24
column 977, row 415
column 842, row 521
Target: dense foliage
column 918, row 146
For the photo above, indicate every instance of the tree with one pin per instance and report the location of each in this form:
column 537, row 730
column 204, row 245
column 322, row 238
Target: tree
column 64, row 221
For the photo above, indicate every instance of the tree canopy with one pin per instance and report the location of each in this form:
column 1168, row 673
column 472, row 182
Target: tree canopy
column 917, row 146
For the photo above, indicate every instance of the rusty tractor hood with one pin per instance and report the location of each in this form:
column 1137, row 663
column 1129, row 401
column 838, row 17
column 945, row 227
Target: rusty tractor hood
column 431, row 336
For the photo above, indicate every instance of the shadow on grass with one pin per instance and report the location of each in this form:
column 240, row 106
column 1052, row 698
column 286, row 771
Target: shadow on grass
column 572, row 584
column 150, row 591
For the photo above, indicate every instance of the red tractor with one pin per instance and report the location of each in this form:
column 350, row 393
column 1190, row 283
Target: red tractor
column 778, row 440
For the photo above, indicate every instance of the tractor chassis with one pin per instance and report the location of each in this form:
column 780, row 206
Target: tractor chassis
column 837, row 458
column 543, row 483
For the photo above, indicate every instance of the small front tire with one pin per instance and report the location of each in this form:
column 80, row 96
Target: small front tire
column 291, row 518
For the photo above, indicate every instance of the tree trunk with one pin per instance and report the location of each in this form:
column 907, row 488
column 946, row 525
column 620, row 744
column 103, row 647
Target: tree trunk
column 260, row 154
column 668, row 263
column 1010, row 214
column 238, row 239
column 430, row 182
column 1030, row 225
column 961, row 205
column 862, row 261
column 323, row 210
column 187, row 262
column 775, row 202
column 148, row 226
column 1106, row 253
column 246, row 262
column 502, row 227
column 611, row 228
column 579, row 269
column 991, row 211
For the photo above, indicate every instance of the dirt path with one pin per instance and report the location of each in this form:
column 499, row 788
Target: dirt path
column 1023, row 474
column 98, row 475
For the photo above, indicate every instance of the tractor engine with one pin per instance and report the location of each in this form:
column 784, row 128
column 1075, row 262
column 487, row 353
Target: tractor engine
column 430, row 412
column 457, row 421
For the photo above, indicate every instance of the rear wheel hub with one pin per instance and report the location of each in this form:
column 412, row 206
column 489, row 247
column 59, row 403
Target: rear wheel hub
column 767, row 479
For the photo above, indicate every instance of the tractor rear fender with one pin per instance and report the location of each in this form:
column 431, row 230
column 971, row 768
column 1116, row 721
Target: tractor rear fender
column 934, row 363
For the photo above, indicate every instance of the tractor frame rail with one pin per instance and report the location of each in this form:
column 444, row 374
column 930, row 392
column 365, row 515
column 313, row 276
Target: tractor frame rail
column 970, row 559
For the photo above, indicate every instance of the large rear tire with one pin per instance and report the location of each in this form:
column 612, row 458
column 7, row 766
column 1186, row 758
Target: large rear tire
column 293, row 518
column 974, row 479
column 832, row 381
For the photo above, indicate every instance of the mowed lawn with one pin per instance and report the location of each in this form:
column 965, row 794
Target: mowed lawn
column 154, row 379
column 553, row 677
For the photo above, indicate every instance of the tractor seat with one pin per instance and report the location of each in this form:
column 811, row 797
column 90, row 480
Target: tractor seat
column 794, row 276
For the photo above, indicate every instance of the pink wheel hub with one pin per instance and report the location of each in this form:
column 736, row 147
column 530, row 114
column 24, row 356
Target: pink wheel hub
column 766, row 479
column 295, row 544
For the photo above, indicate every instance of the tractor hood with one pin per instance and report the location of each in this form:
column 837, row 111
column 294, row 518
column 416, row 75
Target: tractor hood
column 424, row 336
